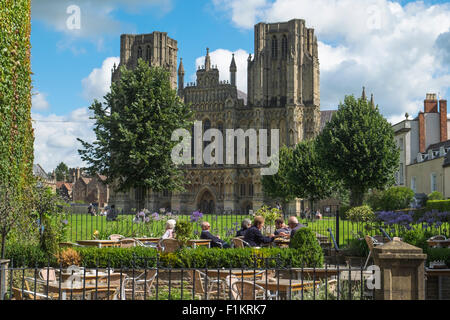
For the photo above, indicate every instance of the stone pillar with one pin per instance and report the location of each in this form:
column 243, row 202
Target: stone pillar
column 3, row 278
column 402, row 270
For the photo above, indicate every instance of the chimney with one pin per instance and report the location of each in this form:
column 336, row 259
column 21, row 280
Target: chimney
column 443, row 119
column 431, row 103
column 78, row 174
column 421, row 132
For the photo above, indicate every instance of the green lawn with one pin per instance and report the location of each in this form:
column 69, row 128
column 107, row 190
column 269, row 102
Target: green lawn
column 82, row 227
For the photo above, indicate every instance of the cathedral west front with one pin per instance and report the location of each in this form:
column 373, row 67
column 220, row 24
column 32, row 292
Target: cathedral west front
column 283, row 84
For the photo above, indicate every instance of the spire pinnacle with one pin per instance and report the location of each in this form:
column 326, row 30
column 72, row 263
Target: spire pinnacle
column 364, row 94
column 233, row 67
column 207, row 60
column 372, row 102
column 181, row 67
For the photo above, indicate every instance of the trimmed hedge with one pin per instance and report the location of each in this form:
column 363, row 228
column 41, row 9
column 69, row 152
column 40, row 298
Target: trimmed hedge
column 440, row 205
column 185, row 258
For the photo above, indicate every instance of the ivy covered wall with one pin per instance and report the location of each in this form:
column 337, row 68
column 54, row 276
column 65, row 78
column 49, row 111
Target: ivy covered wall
column 16, row 132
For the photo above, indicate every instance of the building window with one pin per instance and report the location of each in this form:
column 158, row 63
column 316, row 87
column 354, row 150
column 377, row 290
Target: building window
column 274, row 47
column 413, row 184
column 139, row 52
column 242, row 190
column 401, row 174
column 149, row 54
column 433, row 182
column 400, row 142
column 284, row 47
column 250, row 189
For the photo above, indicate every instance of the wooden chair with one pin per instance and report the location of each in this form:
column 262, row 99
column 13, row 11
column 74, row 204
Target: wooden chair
column 19, row 294
column 204, row 285
column 169, row 245
column 47, row 274
column 116, row 237
column 371, row 243
column 240, row 243
column 247, row 290
column 127, row 243
column 141, row 285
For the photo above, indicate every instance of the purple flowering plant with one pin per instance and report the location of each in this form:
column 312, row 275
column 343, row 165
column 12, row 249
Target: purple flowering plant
column 196, row 216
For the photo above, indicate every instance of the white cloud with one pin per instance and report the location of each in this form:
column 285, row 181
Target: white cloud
column 39, row 101
column 399, row 53
column 96, row 17
column 56, row 138
column 98, row 83
column 222, row 58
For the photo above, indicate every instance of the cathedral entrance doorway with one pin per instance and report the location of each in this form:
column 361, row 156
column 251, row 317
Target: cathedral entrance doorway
column 206, row 204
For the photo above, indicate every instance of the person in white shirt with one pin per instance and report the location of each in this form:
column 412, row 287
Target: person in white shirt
column 170, row 228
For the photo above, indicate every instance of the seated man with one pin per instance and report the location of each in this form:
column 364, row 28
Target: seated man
column 216, row 242
column 294, row 226
column 280, row 226
column 253, row 235
column 245, row 225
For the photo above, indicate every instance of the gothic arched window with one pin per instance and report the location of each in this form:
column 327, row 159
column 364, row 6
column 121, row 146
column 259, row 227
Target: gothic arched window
column 284, row 47
column 274, row 47
column 139, row 52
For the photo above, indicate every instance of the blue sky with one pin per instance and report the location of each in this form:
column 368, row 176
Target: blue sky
column 399, row 57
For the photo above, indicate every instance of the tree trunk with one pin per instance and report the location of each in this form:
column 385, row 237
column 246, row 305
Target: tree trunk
column 356, row 197
column 3, row 246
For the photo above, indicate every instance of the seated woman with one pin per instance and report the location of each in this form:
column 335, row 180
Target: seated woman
column 245, row 225
column 170, row 228
column 253, row 235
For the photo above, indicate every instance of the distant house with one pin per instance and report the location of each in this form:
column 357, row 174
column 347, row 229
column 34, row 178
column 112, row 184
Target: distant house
column 64, row 189
column 44, row 178
column 90, row 190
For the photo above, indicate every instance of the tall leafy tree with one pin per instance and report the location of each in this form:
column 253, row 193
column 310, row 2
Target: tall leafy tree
column 134, row 128
column 277, row 185
column 62, row 172
column 358, row 146
column 309, row 178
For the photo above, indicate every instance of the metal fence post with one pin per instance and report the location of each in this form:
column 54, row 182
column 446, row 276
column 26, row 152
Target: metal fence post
column 337, row 227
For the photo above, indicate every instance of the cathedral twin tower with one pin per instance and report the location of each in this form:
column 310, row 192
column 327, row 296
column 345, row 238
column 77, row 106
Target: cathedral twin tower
column 283, row 93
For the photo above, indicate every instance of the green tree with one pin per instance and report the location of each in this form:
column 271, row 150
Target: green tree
column 62, row 172
column 358, row 146
column 277, row 185
column 134, row 129
column 308, row 176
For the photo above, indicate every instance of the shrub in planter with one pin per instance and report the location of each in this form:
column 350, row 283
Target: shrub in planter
column 69, row 257
column 361, row 214
column 308, row 246
column 183, row 232
column 29, row 256
column 435, row 195
column 396, row 198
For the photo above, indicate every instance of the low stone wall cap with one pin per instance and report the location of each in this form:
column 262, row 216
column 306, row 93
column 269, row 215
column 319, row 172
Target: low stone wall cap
column 397, row 247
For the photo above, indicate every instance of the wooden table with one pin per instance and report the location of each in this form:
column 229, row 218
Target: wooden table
column 439, row 243
column 90, row 289
column 92, row 277
column 286, row 286
column 152, row 240
column 282, row 242
column 199, row 242
column 99, row 243
column 223, row 273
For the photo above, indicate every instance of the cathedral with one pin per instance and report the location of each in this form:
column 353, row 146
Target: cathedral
column 283, row 93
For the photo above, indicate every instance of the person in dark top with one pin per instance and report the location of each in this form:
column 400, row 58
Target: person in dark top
column 280, row 226
column 294, row 225
column 245, row 225
column 253, row 235
column 216, row 242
